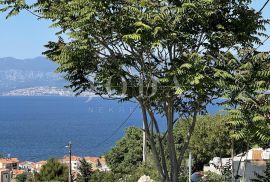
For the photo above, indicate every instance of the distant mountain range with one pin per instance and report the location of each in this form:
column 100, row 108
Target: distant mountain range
column 26, row 73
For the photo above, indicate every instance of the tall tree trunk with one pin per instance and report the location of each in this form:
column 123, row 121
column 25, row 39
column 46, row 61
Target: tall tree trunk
column 188, row 137
column 171, row 142
column 152, row 143
column 162, row 154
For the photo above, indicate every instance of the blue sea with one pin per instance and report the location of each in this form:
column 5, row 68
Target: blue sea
column 36, row 128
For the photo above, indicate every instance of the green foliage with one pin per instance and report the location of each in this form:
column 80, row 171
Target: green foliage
column 104, row 176
column 126, row 155
column 210, row 138
column 53, row 171
column 141, row 170
column 213, row 177
column 21, row 177
column 227, row 171
column 265, row 177
column 183, row 45
column 85, row 170
column 249, row 102
column 132, row 177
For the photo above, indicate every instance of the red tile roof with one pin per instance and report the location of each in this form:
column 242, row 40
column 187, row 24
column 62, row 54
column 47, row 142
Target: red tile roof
column 73, row 158
column 93, row 160
column 8, row 160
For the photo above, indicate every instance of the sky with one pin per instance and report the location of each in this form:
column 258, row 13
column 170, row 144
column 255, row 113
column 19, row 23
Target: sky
column 23, row 36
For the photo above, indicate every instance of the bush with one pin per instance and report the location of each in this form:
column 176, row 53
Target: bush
column 213, row 177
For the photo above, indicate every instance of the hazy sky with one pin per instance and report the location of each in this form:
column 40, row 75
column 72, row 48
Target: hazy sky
column 23, row 36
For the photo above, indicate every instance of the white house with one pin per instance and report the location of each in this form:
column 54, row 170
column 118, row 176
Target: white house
column 5, row 175
column 75, row 162
column 9, row 163
column 37, row 166
column 245, row 164
column 26, row 166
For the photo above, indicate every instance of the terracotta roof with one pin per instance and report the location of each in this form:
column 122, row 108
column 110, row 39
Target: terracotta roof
column 73, row 158
column 8, row 160
column 17, row 172
column 41, row 162
column 257, row 155
column 36, row 168
column 25, row 162
column 92, row 159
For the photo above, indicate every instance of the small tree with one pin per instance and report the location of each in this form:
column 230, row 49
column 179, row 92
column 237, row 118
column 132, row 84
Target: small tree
column 210, row 138
column 21, row 177
column 126, row 155
column 85, row 169
column 53, row 171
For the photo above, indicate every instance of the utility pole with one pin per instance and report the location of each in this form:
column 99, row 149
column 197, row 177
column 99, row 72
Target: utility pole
column 144, row 145
column 189, row 166
column 69, row 146
column 232, row 156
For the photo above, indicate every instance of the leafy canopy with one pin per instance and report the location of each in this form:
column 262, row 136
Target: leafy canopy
column 182, row 48
column 126, row 155
column 53, row 170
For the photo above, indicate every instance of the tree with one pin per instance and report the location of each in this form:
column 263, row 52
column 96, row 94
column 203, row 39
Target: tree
column 213, row 177
column 211, row 138
column 121, row 48
column 263, row 178
column 126, row 155
column 85, row 170
column 21, row 177
column 53, row 170
column 250, row 106
column 105, row 176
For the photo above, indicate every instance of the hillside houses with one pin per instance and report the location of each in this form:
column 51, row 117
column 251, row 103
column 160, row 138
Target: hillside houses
column 98, row 163
column 11, row 167
column 9, row 163
column 75, row 160
column 36, row 166
column 245, row 165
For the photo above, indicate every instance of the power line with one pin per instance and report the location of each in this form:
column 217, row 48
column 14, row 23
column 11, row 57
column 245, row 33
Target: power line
column 262, row 42
column 117, row 129
column 264, row 5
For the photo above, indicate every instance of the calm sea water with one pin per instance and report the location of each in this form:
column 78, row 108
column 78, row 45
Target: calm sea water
column 36, row 128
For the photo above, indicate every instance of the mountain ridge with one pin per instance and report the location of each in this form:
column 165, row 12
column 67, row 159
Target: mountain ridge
column 25, row 73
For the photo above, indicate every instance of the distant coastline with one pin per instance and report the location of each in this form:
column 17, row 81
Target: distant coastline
column 45, row 91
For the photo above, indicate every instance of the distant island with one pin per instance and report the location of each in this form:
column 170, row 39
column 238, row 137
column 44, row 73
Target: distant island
column 43, row 91
column 31, row 77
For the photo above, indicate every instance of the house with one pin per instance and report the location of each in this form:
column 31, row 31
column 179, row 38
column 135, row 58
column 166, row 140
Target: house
column 94, row 161
column 26, row 166
column 5, row 175
column 75, row 160
column 9, row 163
column 104, row 166
column 37, row 166
column 16, row 172
column 245, row 165
column 98, row 163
